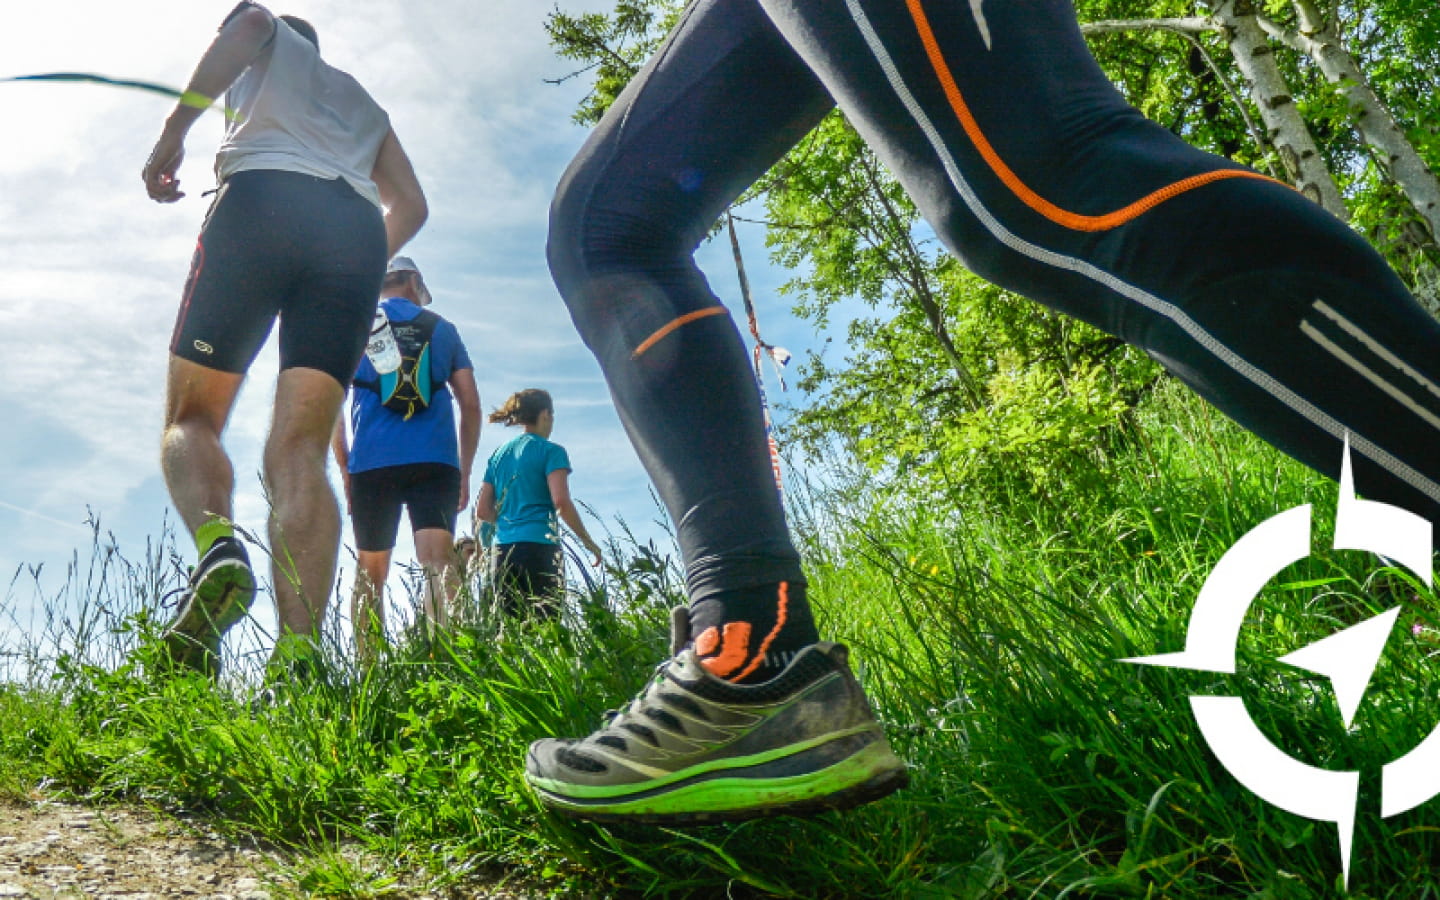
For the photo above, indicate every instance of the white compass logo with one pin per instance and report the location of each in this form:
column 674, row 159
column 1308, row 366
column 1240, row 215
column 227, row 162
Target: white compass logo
column 1348, row 658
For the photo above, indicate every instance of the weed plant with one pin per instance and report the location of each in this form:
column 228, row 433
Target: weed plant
column 988, row 636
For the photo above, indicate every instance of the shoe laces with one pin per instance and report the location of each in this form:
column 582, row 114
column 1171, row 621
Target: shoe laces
column 638, row 702
column 679, row 640
column 171, row 598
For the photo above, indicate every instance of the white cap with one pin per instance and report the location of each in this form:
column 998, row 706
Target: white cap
column 402, row 264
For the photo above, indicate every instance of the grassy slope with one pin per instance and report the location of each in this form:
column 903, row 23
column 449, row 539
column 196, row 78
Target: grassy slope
column 987, row 638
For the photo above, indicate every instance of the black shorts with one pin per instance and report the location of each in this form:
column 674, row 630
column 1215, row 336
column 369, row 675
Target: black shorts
column 430, row 491
column 529, row 578
column 283, row 244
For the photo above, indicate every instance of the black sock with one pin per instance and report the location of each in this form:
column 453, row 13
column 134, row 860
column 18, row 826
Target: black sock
column 750, row 635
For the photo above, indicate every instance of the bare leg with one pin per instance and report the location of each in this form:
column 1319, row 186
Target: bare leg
column 435, row 550
column 367, row 604
column 197, row 471
column 305, row 517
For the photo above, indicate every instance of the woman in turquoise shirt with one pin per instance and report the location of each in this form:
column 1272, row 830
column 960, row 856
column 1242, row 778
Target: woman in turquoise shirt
column 525, row 490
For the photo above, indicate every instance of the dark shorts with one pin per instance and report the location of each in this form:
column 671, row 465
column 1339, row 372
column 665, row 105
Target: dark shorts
column 307, row 250
column 430, row 491
column 529, row 578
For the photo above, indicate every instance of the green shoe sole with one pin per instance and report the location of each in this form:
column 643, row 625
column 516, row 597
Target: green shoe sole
column 773, row 787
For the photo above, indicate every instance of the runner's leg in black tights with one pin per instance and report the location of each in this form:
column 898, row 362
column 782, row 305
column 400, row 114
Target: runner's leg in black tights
column 1039, row 177
column 721, row 102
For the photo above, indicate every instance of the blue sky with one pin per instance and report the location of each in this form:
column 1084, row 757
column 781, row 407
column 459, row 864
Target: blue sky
column 92, row 269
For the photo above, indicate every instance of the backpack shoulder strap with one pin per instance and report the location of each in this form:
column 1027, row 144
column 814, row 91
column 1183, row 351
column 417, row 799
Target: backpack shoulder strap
column 427, row 322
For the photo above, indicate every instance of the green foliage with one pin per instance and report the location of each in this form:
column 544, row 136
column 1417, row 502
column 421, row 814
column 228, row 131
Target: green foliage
column 987, row 639
column 1186, row 83
column 613, row 47
column 1397, row 45
column 1052, row 388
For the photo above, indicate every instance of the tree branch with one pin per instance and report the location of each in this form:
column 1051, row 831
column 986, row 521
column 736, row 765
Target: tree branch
column 575, row 74
column 1188, row 25
column 920, row 285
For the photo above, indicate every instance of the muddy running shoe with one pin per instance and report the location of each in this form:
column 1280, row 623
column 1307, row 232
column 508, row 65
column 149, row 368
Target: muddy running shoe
column 221, row 589
column 296, row 661
column 693, row 749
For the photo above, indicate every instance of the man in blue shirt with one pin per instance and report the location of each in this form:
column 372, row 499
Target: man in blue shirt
column 406, row 453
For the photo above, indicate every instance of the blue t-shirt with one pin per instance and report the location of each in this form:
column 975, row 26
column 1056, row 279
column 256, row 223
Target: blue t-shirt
column 519, row 471
column 382, row 436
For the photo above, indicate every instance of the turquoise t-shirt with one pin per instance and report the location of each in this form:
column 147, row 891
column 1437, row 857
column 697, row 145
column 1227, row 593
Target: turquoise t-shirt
column 519, row 471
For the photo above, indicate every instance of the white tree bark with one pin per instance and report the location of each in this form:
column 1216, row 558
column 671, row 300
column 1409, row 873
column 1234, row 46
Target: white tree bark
column 1288, row 133
column 1317, row 39
column 1190, row 25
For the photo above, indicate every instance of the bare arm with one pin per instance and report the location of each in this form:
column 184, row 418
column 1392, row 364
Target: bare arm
column 240, row 40
column 485, row 505
column 467, row 395
column 400, row 193
column 559, row 481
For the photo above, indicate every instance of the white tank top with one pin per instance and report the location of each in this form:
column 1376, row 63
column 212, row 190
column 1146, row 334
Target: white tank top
column 299, row 114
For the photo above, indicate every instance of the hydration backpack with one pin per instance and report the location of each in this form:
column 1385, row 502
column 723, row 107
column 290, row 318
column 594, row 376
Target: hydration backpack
column 408, row 389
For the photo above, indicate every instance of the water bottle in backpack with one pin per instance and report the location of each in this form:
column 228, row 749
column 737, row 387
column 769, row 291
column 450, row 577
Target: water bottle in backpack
column 383, row 352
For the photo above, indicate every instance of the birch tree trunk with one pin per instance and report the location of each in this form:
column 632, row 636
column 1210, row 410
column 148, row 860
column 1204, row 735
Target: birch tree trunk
column 1317, row 39
column 1253, row 55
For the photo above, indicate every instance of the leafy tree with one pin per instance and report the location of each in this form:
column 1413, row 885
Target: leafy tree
column 610, row 48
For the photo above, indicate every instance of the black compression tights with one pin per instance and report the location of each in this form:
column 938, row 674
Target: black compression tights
column 1038, row 176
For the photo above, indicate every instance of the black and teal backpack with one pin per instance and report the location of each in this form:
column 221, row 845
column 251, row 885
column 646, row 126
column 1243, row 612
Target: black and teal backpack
column 408, row 389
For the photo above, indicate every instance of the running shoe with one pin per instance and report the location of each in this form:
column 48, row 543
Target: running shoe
column 297, row 660
column 693, row 749
column 296, row 666
column 219, row 594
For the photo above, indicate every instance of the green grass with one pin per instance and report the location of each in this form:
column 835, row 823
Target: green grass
column 986, row 635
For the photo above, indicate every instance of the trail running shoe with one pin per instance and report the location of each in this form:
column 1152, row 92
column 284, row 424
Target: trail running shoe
column 693, row 749
column 220, row 592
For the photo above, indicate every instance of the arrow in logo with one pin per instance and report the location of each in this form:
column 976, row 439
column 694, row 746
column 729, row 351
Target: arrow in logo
column 1348, row 658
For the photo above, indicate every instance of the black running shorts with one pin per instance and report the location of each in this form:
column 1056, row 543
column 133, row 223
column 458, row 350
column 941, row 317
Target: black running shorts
column 283, row 244
column 430, row 491
column 529, row 578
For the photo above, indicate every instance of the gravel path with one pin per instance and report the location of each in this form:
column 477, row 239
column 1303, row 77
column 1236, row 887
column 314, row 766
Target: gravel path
column 52, row 850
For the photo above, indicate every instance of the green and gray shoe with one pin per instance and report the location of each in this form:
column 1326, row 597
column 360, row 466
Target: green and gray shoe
column 219, row 594
column 693, row 749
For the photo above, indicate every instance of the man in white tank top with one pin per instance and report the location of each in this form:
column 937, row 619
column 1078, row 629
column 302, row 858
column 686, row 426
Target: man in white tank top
column 315, row 195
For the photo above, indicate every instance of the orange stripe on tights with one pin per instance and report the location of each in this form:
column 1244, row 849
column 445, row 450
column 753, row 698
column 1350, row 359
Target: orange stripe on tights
column 1074, row 221
column 659, row 335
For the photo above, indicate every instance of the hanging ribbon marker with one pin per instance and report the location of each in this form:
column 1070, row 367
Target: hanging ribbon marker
column 185, row 98
column 779, row 357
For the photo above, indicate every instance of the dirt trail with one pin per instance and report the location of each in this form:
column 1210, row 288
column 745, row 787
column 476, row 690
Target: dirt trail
column 52, row 850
